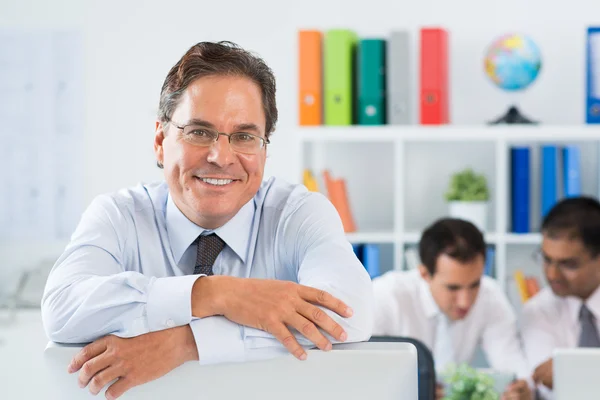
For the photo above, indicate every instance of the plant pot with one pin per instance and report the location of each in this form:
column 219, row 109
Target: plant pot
column 473, row 211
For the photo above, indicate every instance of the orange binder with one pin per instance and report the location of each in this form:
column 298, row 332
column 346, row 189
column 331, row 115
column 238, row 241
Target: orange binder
column 434, row 85
column 338, row 195
column 310, row 77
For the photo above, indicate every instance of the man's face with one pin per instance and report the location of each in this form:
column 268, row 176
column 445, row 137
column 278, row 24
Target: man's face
column 455, row 285
column 569, row 268
column 228, row 104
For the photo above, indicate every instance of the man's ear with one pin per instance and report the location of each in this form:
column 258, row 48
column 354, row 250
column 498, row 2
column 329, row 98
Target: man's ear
column 159, row 137
column 424, row 272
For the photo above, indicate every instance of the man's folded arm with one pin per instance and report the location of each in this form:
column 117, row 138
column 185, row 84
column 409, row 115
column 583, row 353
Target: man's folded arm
column 89, row 294
column 317, row 246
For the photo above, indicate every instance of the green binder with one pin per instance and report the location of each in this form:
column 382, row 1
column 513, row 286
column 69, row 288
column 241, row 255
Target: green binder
column 370, row 62
column 340, row 46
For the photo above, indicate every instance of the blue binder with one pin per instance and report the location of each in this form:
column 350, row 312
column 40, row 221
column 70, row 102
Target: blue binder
column 572, row 171
column 489, row 262
column 371, row 259
column 549, row 187
column 520, row 189
column 592, row 113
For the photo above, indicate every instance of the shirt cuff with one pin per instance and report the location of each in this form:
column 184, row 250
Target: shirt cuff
column 170, row 302
column 218, row 340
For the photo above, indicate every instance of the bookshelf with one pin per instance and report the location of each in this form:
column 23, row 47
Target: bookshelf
column 396, row 176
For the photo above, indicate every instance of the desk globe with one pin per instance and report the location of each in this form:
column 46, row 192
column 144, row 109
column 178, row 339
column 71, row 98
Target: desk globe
column 513, row 62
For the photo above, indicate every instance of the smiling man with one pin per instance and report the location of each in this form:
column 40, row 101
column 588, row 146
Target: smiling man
column 213, row 264
column 566, row 313
column 450, row 306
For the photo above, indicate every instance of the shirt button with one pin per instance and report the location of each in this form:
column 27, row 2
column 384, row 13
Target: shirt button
column 170, row 323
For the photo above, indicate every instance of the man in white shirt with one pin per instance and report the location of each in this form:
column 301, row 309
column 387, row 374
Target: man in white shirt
column 448, row 305
column 566, row 313
column 213, row 263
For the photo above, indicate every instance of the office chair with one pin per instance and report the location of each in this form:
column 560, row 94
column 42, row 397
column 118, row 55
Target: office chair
column 427, row 379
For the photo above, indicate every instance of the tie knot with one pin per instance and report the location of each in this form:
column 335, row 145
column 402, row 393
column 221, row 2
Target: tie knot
column 585, row 313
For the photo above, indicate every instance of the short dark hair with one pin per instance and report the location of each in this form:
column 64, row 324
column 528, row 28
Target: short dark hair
column 454, row 237
column 575, row 218
column 220, row 58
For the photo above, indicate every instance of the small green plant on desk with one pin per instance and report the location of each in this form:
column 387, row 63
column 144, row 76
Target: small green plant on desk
column 466, row 185
column 464, row 382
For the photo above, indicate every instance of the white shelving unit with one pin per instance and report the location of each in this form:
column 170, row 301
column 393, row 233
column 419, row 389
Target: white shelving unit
column 396, row 176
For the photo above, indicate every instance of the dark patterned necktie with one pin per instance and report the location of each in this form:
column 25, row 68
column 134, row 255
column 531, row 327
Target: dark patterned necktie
column 589, row 333
column 209, row 247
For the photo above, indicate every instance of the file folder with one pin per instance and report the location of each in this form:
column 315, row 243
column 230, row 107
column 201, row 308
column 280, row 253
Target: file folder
column 550, row 165
column 572, row 171
column 520, row 189
column 310, row 79
column 398, row 88
column 434, row 85
column 593, row 76
column 371, row 82
column 339, row 88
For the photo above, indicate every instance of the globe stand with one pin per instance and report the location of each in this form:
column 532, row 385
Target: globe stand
column 512, row 116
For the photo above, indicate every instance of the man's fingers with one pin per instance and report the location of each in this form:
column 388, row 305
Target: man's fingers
column 310, row 331
column 103, row 378
column 283, row 334
column 325, row 299
column 117, row 389
column 321, row 319
column 91, row 368
column 87, row 353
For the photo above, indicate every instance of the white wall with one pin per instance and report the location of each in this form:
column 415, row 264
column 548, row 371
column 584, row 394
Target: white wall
column 130, row 46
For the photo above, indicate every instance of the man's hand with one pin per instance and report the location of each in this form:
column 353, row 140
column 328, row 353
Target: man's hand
column 132, row 362
column 518, row 390
column 273, row 306
column 543, row 374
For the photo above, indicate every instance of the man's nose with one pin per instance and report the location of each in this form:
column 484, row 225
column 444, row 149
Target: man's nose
column 464, row 299
column 220, row 152
column 553, row 272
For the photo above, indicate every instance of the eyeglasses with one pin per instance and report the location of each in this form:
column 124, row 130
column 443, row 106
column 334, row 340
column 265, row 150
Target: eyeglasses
column 240, row 142
column 566, row 265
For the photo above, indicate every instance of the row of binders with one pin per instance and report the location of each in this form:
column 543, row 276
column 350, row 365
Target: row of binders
column 337, row 193
column 346, row 80
column 559, row 177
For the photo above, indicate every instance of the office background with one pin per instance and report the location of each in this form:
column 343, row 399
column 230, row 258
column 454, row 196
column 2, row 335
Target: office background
column 129, row 46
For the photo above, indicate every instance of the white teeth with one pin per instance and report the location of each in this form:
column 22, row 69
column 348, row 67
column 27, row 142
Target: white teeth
column 217, row 182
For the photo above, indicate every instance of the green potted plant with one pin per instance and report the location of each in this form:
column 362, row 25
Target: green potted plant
column 463, row 382
column 468, row 197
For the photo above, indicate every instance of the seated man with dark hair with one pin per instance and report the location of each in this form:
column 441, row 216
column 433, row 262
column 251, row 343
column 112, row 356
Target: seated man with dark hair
column 450, row 306
column 565, row 314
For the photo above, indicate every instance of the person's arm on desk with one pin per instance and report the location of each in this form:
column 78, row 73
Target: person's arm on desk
column 501, row 344
column 539, row 342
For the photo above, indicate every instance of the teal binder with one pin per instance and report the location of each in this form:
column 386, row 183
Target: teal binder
column 371, row 94
column 340, row 49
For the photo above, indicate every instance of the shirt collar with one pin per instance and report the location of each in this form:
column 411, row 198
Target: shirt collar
column 235, row 233
column 427, row 301
column 592, row 303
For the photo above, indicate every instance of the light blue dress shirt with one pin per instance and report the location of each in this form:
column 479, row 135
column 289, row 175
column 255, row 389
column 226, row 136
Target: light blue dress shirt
column 128, row 269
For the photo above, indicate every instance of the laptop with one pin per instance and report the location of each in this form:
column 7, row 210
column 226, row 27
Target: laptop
column 576, row 373
column 383, row 371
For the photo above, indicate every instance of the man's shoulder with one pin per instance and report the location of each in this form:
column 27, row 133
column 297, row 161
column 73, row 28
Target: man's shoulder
column 545, row 301
column 400, row 282
column 278, row 195
column 133, row 199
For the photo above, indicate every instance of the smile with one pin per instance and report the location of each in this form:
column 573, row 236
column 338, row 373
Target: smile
column 217, row 182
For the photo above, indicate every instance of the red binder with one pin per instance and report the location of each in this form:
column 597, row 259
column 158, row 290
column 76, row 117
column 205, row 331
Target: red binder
column 434, row 85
